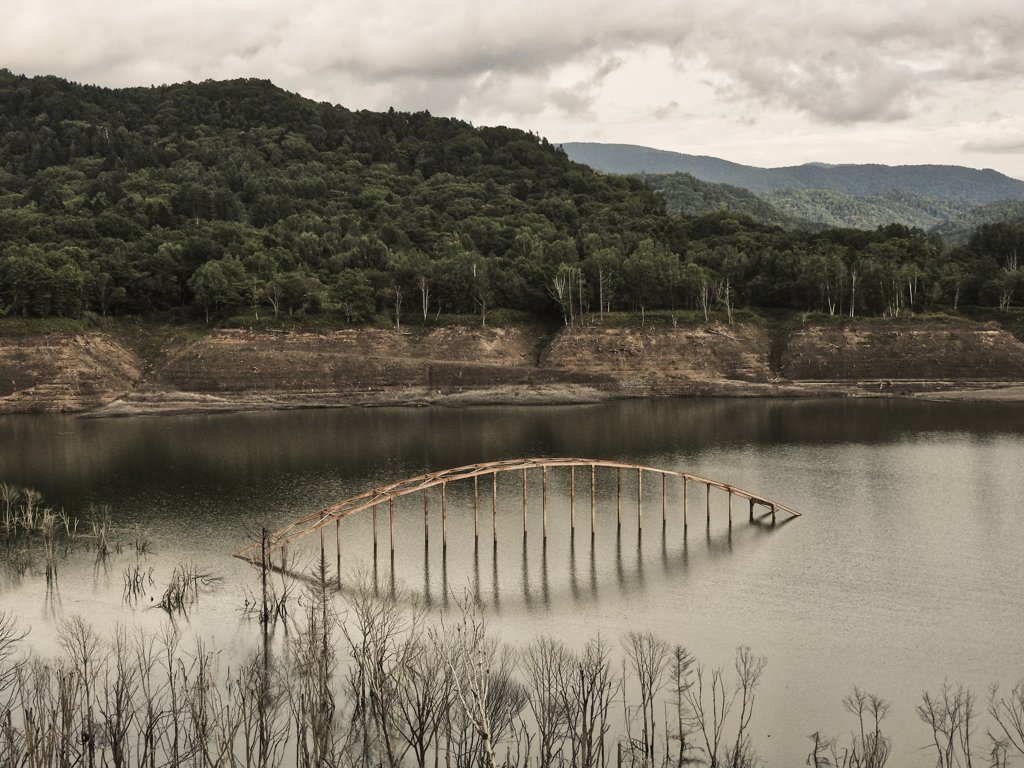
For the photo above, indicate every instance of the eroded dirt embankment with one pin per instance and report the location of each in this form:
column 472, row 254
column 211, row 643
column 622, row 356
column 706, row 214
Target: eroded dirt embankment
column 232, row 370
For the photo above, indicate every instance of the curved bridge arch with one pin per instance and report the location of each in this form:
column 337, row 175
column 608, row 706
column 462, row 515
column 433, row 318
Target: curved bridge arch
column 316, row 521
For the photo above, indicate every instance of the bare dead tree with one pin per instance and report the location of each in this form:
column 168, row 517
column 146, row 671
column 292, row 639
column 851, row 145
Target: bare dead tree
column 712, row 700
column 382, row 638
column 548, row 667
column 486, row 693
column 870, row 749
column 648, row 658
column 116, row 704
column 9, row 495
column 215, row 715
column 424, row 285
column 705, row 290
column 950, row 715
column 265, row 725
column 151, row 699
column 82, row 646
column 749, row 669
column 1008, row 712
column 561, row 291
column 397, row 293
column 723, row 292
column 311, row 694
column 10, row 663
column 680, row 665
column 587, row 700
column 426, row 697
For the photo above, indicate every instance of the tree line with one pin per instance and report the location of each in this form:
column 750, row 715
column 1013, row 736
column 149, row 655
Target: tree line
column 222, row 198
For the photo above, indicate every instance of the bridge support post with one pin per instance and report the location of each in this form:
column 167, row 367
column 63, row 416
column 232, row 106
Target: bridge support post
column 664, row 499
column 392, row 500
column 374, row 526
column 639, row 499
column 544, row 492
column 426, row 519
column 444, row 515
column 709, row 504
column 619, row 508
column 337, row 536
column 524, row 500
column 476, row 506
column 494, row 504
column 773, row 513
column 751, row 510
column 572, row 497
column 730, row 507
column 686, row 493
column 593, row 498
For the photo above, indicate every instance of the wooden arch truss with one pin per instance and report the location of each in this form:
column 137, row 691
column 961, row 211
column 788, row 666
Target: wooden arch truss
column 317, row 521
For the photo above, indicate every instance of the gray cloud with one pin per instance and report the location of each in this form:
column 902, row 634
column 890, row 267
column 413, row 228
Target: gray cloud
column 837, row 62
column 666, row 111
column 1008, row 146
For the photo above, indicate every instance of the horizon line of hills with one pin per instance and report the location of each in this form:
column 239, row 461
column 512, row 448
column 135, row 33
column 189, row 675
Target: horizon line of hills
column 236, row 198
column 950, row 200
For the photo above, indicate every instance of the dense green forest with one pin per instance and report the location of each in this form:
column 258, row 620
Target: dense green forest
column 220, row 198
column 957, row 230
column 686, row 195
column 834, row 209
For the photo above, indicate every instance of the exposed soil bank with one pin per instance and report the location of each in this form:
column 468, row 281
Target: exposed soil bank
column 237, row 370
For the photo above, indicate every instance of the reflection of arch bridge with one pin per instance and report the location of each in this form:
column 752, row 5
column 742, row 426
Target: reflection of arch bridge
column 317, row 521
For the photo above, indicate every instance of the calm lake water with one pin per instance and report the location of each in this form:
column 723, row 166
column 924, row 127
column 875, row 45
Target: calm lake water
column 904, row 570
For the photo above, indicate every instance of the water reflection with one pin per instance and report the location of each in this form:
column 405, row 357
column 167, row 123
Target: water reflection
column 911, row 531
column 428, row 600
column 542, row 574
column 574, row 586
column 525, row 573
column 76, row 460
column 494, row 577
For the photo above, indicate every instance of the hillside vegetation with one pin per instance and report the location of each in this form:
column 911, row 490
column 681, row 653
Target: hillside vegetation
column 957, row 230
column 687, row 195
column 236, row 198
column 934, row 198
column 834, row 209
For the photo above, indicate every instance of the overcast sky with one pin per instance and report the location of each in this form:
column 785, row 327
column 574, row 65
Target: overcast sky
column 767, row 83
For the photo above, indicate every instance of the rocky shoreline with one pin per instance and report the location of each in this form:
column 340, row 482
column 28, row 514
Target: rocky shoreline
column 237, row 370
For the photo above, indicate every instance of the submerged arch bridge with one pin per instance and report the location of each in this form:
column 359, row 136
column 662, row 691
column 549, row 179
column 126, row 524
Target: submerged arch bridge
column 317, row 521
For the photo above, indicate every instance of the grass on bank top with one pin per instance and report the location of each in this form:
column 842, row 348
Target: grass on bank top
column 142, row 334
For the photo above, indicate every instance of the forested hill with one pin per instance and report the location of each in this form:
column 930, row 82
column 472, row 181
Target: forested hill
column 237, row 198
column 133, row 191
column 950, row 182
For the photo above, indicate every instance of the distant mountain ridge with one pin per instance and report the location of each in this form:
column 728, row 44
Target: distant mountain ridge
column 948, row 182
column 628, row 159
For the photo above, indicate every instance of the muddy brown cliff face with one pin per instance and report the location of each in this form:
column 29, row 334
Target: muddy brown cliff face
column 232, row 370
column 64, row 373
